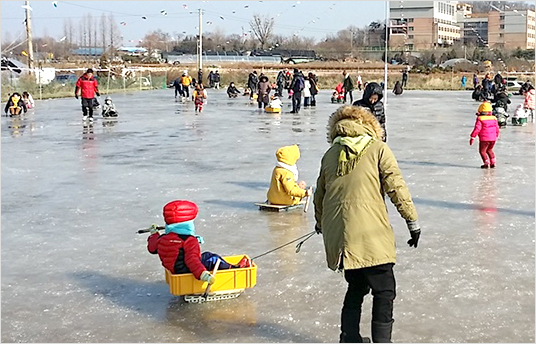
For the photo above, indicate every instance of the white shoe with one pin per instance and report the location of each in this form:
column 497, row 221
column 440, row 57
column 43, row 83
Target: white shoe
column 84, row 118
column 91, row 119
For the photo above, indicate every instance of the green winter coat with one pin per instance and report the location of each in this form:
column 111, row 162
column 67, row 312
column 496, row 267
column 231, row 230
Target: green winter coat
column 350, row 209
column 348, row 83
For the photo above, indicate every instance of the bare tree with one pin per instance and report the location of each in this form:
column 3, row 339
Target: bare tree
column 89, row 29
column 262, row 28
column 104, row 31
column 115, row 36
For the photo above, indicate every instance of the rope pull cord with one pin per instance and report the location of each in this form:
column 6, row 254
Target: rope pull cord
column 298, row 246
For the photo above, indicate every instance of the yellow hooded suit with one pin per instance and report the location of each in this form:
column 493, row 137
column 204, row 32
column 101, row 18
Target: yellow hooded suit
column 284, row 189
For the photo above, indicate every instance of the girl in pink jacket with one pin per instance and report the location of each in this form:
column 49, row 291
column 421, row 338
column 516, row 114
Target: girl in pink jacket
column 487, row 130
column 528, row 104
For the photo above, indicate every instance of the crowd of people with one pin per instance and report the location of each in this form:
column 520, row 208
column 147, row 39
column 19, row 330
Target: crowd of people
column 493, row 89
column 359, row 171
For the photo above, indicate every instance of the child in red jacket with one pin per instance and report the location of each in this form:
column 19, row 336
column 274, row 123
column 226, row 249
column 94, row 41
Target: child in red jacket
column 487, row 130
column 179, row 248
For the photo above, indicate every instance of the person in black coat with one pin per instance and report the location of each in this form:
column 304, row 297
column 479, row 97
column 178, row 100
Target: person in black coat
column 253, row 80
column 372, row 96
column 501, row 99
column 232, row 91
column 397, row 90
column 479, row 94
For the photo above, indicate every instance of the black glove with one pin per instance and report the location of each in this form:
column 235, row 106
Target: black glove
column 98, row 94
column 415, row 232
column 318, row 229
column 76, row 96
column 414, row 238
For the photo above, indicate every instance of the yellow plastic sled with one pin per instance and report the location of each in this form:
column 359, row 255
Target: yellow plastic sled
column 230, row 283
column 271, row 109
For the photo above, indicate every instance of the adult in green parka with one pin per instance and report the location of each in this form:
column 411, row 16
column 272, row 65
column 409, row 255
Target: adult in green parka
column 356, row 173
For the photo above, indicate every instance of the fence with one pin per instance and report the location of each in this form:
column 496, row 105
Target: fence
column 110, row 81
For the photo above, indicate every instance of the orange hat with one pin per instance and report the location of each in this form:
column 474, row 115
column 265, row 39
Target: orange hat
column 485, row 107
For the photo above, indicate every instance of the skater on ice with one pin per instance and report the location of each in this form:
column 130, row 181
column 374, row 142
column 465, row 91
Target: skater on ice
column 88, row 87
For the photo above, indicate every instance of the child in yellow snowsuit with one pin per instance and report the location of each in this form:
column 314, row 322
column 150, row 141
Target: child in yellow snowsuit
column 284, row 190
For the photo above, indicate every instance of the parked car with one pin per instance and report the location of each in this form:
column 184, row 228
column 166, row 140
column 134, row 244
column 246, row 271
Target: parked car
column 66, row 79
column 513, row 85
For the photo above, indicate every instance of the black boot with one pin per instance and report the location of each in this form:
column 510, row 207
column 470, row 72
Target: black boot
column 381, row 332
column 344, row 339
column 350, row 319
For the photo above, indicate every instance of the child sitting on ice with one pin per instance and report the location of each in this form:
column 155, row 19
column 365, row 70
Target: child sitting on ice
column 520, row 116
column 284, row 188
column 179, row 248
column 275, row 103
column 15, row 105
column 338, row 94
column 108, row 109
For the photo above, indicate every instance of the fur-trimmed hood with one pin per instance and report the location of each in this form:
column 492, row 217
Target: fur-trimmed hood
column 353, row 121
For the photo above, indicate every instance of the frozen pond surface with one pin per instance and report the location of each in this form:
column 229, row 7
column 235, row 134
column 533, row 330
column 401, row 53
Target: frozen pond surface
column 73, row 197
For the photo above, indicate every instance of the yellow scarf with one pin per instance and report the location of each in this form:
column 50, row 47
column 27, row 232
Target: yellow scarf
column 352, row 149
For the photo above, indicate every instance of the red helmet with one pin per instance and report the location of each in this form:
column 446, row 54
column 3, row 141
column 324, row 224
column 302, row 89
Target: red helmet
column 179, row 211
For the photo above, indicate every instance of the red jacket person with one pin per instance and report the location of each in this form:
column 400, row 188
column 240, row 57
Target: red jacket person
column 88, row 87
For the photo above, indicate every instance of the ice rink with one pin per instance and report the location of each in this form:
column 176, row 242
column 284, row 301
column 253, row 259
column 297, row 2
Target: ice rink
column 73, row 197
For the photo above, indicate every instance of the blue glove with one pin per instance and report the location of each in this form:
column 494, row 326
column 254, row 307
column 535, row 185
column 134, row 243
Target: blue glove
column 207, row 277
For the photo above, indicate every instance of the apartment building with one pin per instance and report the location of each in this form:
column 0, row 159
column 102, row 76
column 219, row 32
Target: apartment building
column 422, row 24
column 511, row 29
column 418, row 25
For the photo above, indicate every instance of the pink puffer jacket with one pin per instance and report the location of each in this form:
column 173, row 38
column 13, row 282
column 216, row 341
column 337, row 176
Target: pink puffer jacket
column 529, row 100
column 486, row 128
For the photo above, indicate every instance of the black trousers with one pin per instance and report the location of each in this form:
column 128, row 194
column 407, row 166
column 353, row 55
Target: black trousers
column 186, row 91
column 87, row 107
column 296, row 101
column 381, row 280
column 351, row 97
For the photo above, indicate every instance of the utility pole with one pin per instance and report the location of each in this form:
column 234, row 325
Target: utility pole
column 386, row 48
column 29, row 36
column 200, row 45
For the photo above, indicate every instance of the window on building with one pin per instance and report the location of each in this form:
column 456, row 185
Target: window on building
column 501, row 26
column 410, row 36
column 411, row 28
column 410, row 46
column 501, row 35
column 410, row 20
column 501, row 18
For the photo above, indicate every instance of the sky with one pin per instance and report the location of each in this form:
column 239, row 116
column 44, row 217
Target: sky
column 315, row 19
